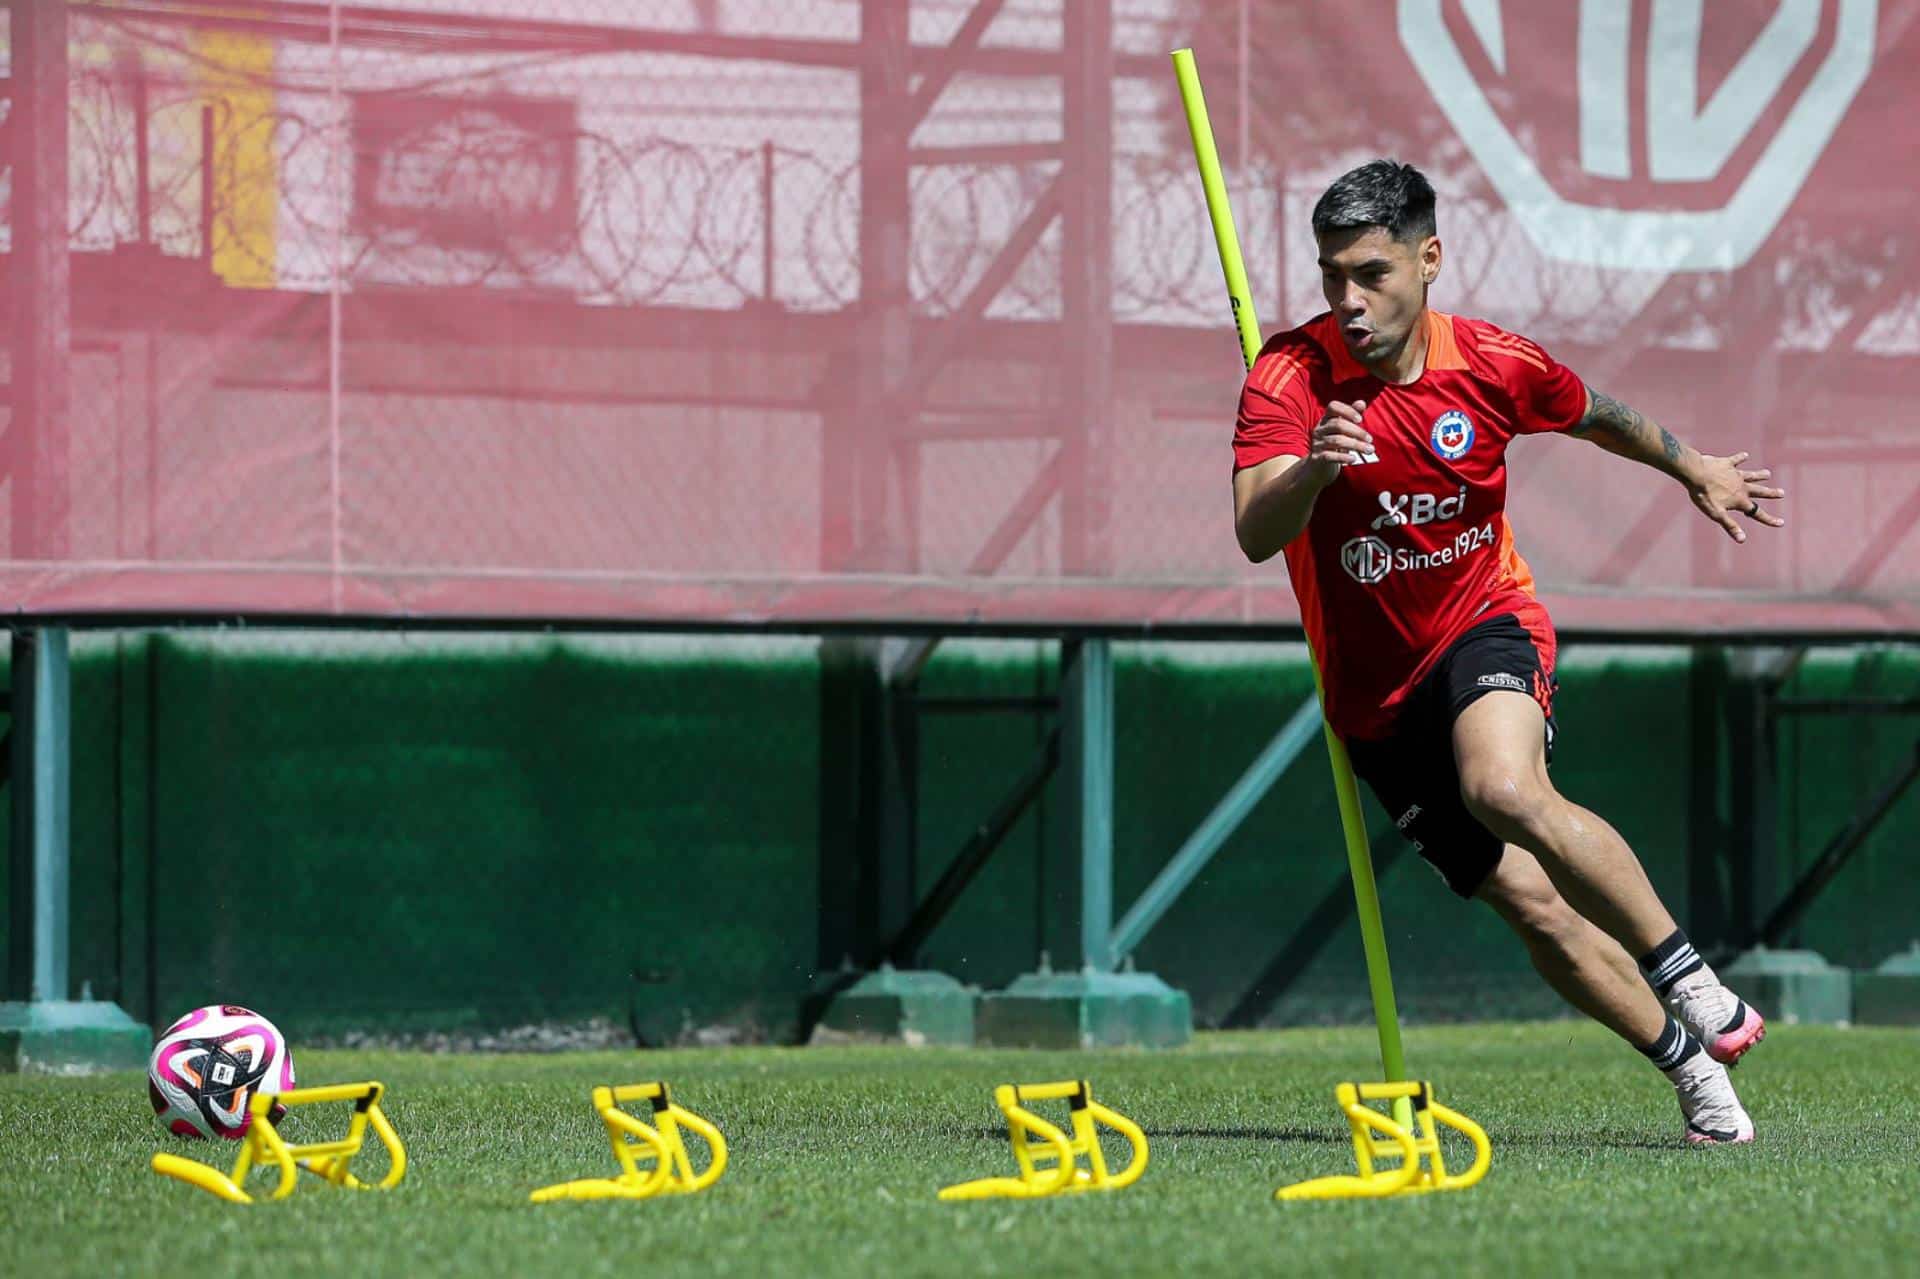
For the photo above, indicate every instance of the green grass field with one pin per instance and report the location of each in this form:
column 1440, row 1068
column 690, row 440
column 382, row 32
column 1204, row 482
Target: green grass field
column 837, row 1154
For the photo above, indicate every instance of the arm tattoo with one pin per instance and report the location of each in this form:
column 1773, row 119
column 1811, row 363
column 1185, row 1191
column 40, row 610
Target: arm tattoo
column 1626, row 425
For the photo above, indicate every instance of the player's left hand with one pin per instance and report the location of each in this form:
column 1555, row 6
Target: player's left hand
column 1725, row 488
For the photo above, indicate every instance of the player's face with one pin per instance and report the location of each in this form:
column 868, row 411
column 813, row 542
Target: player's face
column 1376, row 287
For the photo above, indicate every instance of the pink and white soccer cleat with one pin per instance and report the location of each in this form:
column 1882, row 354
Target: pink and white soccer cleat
column 1713, row 1113
column 1723, row 1022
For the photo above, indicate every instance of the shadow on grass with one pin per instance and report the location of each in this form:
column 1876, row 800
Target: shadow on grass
column 1214, row 1134
column 1536, row 1140
column 1315, row 1136
column 1562, row 1141
column 1582, row 1141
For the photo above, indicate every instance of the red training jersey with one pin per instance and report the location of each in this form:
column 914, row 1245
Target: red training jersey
column 1406, row 551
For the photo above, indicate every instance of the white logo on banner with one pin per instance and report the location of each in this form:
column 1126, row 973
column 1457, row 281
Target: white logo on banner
column 1685, row 142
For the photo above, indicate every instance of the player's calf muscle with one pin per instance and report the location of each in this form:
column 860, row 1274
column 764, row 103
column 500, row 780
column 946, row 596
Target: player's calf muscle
column 1531, row 905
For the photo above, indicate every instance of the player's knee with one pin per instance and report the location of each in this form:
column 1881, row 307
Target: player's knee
column 1512, row 802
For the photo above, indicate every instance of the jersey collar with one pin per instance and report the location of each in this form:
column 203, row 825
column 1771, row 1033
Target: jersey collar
column 1443, row 351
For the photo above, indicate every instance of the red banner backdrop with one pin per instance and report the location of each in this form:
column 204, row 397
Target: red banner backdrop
column 818, row 313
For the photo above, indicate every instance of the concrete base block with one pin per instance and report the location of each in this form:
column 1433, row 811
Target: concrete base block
column 1086, row 1010
column 1790, row 986
column 1890, row 994
column 898, row 1006
column 63, row 1037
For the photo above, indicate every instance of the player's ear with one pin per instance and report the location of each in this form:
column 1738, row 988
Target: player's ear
column 1429, row 256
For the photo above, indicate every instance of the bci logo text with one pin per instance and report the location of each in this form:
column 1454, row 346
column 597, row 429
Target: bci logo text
column 1418, row 508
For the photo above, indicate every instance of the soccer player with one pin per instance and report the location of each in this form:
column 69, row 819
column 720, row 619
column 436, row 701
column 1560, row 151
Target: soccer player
column 1370, row 448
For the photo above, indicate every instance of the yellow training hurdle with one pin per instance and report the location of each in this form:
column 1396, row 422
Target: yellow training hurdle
column 263, row 1146
column 635, row 1143
column 1377, row 1137
column 1052, row 1167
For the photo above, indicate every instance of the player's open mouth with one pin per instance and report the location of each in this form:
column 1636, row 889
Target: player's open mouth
column 1358, row 336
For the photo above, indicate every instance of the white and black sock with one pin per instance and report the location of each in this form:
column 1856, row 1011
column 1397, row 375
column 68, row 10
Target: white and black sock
column 1671, row 960
column 1673, row 1049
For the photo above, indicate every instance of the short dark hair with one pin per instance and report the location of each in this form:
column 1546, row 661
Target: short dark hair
column 1382, row 193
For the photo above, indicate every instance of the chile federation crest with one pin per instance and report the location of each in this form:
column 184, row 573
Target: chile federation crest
column 1452, row 434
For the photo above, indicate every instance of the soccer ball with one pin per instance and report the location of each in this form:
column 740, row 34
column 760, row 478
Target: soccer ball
column 208, row 1065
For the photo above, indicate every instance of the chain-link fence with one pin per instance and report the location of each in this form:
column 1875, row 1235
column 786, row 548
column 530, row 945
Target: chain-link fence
column 823, row 311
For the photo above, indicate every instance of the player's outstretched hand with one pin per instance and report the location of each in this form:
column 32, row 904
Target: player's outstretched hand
column 1340, row 440
column 1725, row 488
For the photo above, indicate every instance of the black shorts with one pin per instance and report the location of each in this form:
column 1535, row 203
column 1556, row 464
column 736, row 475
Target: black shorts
column 1413, row 771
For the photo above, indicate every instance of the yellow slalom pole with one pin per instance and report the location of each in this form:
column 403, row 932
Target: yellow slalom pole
column 1366, row 896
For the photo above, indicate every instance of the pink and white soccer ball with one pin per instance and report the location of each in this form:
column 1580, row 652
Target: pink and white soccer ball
column 208, row 1066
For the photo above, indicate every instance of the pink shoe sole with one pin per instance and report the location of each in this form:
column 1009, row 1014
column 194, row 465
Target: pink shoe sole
column 1697, row 1138
column 1729, row 1047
